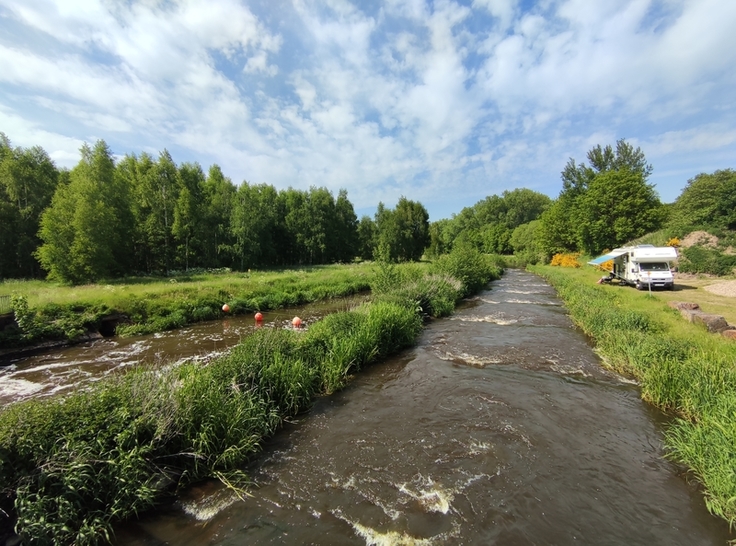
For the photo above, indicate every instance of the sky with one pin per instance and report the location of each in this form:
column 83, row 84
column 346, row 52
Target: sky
column 443, row 102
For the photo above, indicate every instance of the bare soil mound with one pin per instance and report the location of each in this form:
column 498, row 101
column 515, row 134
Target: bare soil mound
column 699, row 238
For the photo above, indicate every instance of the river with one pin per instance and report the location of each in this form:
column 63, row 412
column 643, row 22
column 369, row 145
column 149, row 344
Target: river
column 499, row 427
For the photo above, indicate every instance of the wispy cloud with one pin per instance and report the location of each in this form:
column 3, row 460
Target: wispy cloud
column 444, row 102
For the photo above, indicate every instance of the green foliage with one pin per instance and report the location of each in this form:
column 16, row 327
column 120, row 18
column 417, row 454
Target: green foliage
column 466, row 264
column 489, row 224
column 700, row 259
column 28, row 179
column 402, row 234
column 616, row 207
column 707, row 202
column 83, row 229
column 602, row 205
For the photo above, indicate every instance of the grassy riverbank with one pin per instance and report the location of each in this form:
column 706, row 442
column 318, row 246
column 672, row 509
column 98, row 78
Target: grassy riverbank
column 682, row 369
column 71, row 466
column 47, row 311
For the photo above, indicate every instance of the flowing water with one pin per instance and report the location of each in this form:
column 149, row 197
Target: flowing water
column 53, row 371
column 500, row 427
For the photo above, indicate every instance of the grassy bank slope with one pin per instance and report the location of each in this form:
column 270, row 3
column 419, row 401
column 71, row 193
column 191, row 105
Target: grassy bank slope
column 71, row 466
column 682, row 369
column 51, row 312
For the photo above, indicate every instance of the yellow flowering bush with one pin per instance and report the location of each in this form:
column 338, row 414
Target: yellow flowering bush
column 565, row 260
column 675, row 241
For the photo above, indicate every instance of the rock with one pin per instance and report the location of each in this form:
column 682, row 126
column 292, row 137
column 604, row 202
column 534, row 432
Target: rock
column 689, row 314
column 730, row 334
column 680, row 305
column 714, row 323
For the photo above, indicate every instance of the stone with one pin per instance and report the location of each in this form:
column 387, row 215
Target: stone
column 730, row 334
column 680, row 305
column 689, row 314
column 714, row 323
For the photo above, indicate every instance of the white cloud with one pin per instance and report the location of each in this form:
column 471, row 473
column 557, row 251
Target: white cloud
column 414, row 97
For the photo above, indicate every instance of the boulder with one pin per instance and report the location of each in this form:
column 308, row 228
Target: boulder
column 730, row 334
column 714, row 323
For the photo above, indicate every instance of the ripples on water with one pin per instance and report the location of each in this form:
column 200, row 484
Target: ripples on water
column 500, row 427
column 54, row 371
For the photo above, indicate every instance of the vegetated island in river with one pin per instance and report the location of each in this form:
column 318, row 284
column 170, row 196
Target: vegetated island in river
column 682, row 369
column 49, row 313
column 73, row 465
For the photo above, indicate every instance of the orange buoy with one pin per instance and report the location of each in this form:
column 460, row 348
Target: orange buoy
column 226, row 308
column 259, row 317
column 296, row 322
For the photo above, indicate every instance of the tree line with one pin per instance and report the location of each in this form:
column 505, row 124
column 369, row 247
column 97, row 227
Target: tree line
column 146, row 215
column 604, row 203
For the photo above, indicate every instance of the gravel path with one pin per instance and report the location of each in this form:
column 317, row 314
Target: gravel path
column 723, row 288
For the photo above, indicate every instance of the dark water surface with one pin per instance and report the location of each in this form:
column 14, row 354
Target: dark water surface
column 500, row 427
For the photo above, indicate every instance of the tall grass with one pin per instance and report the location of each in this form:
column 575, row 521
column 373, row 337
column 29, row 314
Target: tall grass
column 70, row 467
column 682, row 369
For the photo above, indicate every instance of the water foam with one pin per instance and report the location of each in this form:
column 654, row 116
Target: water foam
column 465, row 358
column 18, row 387
column 430, row 497
column 493, row 319
column 210, row 505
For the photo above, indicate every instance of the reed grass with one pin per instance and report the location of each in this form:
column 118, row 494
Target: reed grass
column 682, row 369
column 71, row 466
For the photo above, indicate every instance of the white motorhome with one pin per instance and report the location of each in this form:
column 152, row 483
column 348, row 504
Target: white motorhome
column 643, row 266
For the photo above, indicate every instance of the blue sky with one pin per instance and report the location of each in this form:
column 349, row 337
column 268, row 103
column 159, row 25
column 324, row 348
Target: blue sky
column 443, row 102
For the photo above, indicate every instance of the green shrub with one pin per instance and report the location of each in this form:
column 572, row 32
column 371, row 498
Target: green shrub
column 699, row 259
column 472, row 268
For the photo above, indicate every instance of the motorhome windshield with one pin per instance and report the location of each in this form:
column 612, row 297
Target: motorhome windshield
column 655, row 266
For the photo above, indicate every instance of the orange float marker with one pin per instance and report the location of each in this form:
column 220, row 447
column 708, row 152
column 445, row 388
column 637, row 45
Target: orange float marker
column 258, row 317
column 296, row 322
column 226, row 308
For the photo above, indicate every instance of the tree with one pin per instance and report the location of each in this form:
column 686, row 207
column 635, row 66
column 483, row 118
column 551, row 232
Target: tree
column 157, row 194
column 28, row 179
column 617, row 207
column 345, row 229
column 83, row 229
column 588, row 215
column 403, row 233
column 708, row 200
column 217, row 242
column 253, row 222
column 366, row 238
column 189, row 210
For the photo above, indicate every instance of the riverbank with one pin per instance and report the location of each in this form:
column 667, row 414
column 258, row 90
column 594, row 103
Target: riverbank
column 682, row 369
column 46, row 312
column 71, row 466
